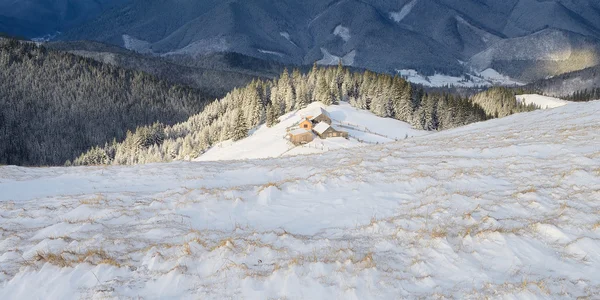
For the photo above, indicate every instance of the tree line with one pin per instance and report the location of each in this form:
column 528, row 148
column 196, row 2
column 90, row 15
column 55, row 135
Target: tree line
column 585, row 95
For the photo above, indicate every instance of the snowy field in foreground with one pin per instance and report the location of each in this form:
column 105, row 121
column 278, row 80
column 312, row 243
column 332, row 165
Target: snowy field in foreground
column 508, row 208
column 271, row 142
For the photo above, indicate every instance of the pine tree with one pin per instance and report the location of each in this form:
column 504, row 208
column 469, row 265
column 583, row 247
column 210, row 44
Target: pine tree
column 347, row 85
column 240, row 128
column 323, row 93
column 302, row 97
column 270, row 121
column 431, row 117
column 335, row 92
column 401, row 100
column 255, row 109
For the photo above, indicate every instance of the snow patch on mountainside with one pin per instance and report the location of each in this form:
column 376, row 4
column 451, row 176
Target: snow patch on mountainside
column 542, row 101
column 287, row 36
column 364, row 128
column 501, row 209
column 342, row 32
column 332, row 60
column 546, row 45
column 400, row 15
column 133, row 44
column 271, row 52
column 488, row 77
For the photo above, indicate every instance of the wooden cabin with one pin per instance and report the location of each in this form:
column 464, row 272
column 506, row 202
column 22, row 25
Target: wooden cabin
column 300, row 136
column 324, row 131
column 323, row 116
column 306, row 124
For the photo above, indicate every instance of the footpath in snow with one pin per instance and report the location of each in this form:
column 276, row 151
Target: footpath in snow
column 508, row 208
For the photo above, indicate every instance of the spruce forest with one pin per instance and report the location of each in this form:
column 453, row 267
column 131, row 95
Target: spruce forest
column 55, row 105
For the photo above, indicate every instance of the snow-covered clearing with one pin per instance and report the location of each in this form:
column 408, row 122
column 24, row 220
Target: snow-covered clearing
column 287, row 36
column 488, row 77
column 364, row 128
column 400, row 15
column 133, row 44
column 542, row 101
column 342, row 32
column 271, row 52
column 508, row 208
column 332, row 60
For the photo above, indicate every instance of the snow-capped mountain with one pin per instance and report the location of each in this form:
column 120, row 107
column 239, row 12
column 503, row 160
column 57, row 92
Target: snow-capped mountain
column 46, row 18
column 501, row 209
column 524, row 39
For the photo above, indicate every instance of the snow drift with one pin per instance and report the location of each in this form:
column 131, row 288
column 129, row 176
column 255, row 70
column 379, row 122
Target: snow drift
column 506, row 208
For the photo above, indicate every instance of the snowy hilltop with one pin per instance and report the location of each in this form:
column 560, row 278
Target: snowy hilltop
column 506, row 208
column 363, row 127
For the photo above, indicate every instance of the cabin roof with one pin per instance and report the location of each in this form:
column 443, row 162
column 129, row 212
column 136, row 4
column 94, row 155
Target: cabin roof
column 298, row 131
column 321, row 112
column 321, row 127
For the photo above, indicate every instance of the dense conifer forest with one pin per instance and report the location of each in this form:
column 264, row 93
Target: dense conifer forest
column 55, row 105
column 262, row 102
column 499, row 102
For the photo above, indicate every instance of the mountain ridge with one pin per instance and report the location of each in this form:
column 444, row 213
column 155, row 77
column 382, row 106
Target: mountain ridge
column 427, row 35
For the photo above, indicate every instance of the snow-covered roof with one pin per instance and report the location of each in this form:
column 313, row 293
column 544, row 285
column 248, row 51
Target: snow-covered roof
column 321, row 127
column 321, row 112
column 298, row 131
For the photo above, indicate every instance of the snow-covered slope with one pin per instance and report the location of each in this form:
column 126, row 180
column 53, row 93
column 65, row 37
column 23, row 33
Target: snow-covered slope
column 364, row 128
column 488, row 77
column 525, row 39
column 542, row 101
column 505, row 209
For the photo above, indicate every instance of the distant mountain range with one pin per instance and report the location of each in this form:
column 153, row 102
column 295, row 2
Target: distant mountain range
column 38, row 18
column 524, row 39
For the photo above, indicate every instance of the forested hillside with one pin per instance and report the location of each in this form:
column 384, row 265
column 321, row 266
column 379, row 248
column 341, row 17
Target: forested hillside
column 264, row 101
column 216, row 73
column 55, row 105
column 583, row 85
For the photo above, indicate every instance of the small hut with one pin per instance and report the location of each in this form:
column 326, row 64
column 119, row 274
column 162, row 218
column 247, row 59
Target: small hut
column 324, row 131
column 306, row 124
column 300, row 136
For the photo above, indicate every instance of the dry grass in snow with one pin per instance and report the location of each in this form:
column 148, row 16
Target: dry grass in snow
column 506, row 208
